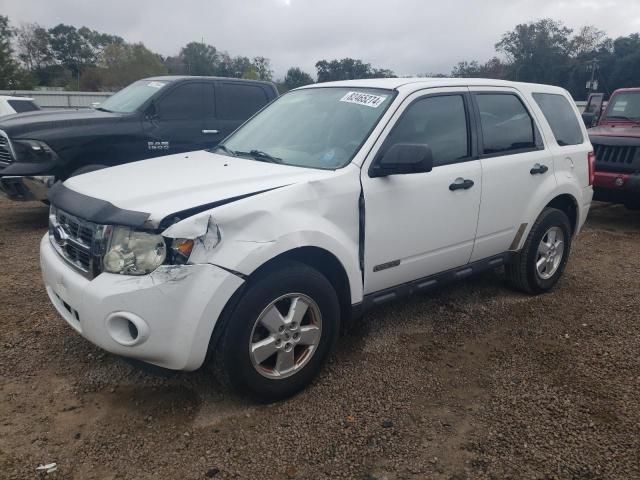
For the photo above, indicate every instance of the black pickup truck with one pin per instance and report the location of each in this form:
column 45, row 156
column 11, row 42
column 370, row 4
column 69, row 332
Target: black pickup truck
column 151, row 117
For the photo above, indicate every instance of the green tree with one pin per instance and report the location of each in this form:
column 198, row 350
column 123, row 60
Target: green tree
column 32, row 42
column 199, row 58
column 295, row 78
column 537, row 51
column 78, row 48
column 9, row 69
column 122, row 64
column 348, row 69
column 262, row 68
column 493, row 68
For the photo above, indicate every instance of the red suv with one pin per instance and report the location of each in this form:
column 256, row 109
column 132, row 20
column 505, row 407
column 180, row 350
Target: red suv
column 616, row 142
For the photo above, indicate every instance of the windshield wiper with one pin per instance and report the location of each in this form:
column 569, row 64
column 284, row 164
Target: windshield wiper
column 260, row 155
column 226, row 150
column 102, row 109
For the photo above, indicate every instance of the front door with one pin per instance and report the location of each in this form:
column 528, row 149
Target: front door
column 178, row 123
column 420, row 224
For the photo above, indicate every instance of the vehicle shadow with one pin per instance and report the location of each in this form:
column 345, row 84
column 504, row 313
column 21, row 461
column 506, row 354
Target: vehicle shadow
column 612, row 217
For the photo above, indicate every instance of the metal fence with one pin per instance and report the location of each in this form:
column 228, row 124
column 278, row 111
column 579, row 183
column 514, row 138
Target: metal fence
column 60, row 99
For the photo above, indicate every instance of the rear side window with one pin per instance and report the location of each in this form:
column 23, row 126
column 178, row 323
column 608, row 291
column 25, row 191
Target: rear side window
column 561, row 118
column 237, row 101
column 23, row 105
column 440, row 122
column 185, row 102
column 506, row 124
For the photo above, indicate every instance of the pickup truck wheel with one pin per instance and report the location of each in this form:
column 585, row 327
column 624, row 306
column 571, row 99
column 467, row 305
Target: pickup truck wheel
column 279, row 333
column 540, row 263
column 87, row 169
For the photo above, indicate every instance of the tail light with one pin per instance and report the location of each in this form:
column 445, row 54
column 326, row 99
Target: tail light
column 592, row 167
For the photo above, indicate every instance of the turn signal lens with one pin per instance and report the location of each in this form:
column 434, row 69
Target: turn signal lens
column 184, row 246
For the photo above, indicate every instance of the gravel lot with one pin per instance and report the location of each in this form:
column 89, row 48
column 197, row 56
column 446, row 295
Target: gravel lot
column 472, row 381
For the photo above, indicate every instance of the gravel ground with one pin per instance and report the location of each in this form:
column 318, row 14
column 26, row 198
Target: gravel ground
column 472, row 381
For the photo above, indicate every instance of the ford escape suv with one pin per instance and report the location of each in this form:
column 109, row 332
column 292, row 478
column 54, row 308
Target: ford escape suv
column 333, row 199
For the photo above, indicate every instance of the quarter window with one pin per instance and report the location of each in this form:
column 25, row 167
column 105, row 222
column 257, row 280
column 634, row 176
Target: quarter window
column 235, row 101
column 561, row 118
column 506, row 124
column 438, row 121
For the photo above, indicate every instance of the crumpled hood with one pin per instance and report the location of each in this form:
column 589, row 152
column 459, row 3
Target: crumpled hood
column 166, row 185
column 42, row 123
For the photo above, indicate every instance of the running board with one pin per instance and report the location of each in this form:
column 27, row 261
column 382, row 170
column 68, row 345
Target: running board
column 428, row 283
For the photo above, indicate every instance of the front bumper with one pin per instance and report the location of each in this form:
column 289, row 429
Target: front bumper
column 173, row 310
column 24, row 188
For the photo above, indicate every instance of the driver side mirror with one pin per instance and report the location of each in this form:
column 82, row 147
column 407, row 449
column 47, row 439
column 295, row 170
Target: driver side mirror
column 403, row 158
column 152, row 112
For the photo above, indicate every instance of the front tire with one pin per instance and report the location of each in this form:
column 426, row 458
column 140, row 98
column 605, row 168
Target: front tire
column 541, row 262
column 279, row 333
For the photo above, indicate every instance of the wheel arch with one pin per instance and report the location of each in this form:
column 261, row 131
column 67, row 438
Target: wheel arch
column 315, row 257
column 568, row 204
column 323, row 261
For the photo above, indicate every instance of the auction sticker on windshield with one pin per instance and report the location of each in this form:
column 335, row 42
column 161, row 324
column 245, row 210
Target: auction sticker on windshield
column 365, row 99
column 156, row 84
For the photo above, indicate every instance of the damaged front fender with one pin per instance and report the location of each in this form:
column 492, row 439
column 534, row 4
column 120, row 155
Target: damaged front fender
column 204, row 232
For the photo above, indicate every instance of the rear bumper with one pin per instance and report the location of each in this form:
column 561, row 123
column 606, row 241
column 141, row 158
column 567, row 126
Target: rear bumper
column 25, row 188
column 616, row 187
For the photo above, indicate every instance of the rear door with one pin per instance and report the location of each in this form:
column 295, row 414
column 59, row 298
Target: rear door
column 420, row 224
column 235, row 102
column 517, row 170
column 179, row 121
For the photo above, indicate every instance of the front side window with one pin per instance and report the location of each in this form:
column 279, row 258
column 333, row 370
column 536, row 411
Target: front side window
column 438, row 121
column 505, row 123
column 561, row 117
column 320, row 127
column 185, row 102
column 130, row 98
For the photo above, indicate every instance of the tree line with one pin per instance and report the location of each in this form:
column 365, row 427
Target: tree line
column 544, row 51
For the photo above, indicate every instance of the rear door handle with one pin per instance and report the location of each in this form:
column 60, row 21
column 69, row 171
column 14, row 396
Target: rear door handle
column 210, row 131
column 538, row 169
column 461, row 184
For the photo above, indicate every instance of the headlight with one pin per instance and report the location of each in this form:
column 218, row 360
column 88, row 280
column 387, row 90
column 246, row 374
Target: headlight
column 32, row 151
column 134, row 253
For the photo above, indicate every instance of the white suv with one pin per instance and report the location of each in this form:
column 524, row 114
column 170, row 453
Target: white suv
column 332, row 199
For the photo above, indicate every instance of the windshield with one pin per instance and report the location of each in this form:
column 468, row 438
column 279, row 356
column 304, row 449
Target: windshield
column 130, row 98
column 316, row 127
column 625, row 106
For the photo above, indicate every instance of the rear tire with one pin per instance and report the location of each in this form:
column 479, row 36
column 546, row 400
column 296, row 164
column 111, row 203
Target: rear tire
column 542, row 260
column 279, row 333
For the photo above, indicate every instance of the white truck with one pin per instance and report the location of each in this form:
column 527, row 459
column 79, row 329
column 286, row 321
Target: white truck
column 11, row 105
column 331, row 200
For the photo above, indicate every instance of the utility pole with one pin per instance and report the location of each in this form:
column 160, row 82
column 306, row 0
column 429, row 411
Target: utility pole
column 592, row 84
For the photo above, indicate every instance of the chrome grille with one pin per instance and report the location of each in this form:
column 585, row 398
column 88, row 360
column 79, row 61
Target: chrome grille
column 78, row 241
column 6, row 152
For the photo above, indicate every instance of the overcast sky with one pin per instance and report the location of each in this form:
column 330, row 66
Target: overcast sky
column 407, row 36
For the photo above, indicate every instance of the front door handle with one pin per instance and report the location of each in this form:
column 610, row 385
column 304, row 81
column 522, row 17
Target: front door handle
column 538, row 169
column 210, row 131
column 461, row 184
